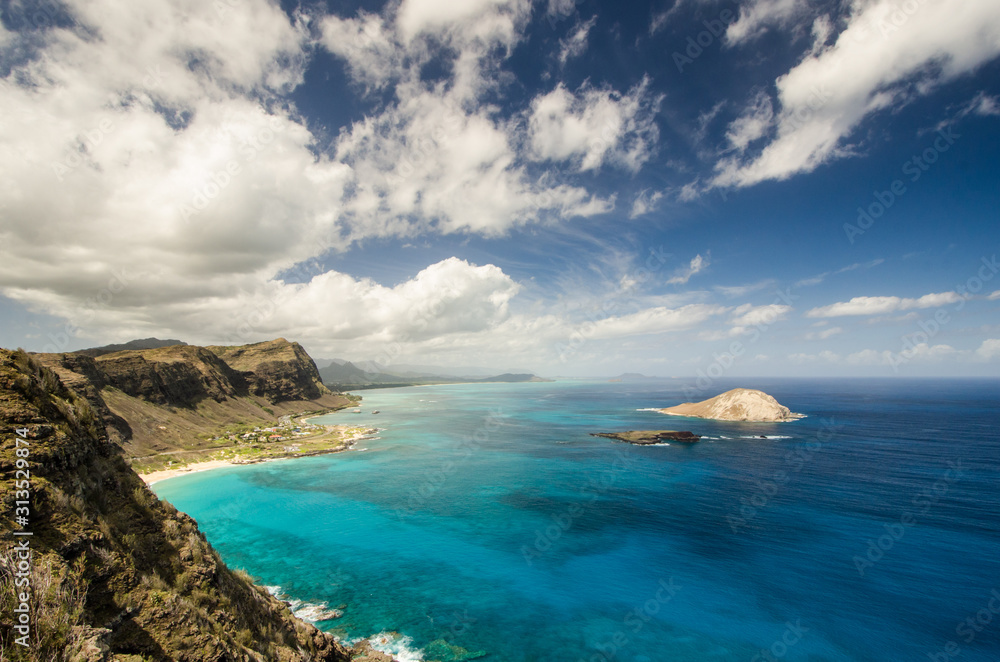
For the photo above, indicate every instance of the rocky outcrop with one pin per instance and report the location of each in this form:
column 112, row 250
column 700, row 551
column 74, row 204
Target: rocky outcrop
column 117, row 574
column 276, row 369
column 650, row 437
column 739, row 404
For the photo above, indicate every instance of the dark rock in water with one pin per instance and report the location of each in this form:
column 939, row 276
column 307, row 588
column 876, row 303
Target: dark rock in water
column 650, row 437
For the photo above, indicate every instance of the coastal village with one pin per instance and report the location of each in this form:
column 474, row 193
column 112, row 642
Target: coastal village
column 289, row 437
column 285, row 430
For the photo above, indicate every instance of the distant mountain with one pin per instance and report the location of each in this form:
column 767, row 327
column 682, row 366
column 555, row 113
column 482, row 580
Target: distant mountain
column 632, row 377
column 466, row 372
column 145, row 343
column 346, row 374
column 514, row 378
column 322, row 363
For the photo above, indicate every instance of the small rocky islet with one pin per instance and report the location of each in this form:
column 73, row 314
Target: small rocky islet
column 650, row 437
column 739, row 404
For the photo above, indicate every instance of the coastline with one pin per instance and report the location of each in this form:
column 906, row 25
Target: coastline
column 346, row 443
column 195, row 467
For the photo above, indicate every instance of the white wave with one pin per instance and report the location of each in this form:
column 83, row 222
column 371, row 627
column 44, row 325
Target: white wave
column 748, row 436
column 307, row 611
column 313, row 613
column 397, row 645
column 649, row 409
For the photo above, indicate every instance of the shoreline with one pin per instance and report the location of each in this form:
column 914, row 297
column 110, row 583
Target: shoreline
column 346, row 444
column 208, row 465
column 195, row 467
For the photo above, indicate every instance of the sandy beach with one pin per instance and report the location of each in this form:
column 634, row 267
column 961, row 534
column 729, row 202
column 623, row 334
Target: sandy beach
column 163, row 474
column 345, row 443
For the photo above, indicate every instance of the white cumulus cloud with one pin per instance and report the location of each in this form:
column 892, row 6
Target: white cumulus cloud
column 989, row 349
column 887, row 54
column 883, row 305
column 595, row 126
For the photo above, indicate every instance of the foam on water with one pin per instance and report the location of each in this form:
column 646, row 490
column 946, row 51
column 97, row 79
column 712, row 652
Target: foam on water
column 307, row 611
column 399, row 646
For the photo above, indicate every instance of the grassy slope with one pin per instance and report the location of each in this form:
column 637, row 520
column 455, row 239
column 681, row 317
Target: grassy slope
column 157, row 429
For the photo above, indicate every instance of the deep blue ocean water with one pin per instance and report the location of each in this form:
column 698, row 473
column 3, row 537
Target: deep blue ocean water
column 485, row 519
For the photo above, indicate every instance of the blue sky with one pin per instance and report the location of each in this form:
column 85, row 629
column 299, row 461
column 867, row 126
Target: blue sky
column 769, row 187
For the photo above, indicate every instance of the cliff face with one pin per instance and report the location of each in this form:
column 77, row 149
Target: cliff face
column 173, row 399
column 185, row 375
column 81, row 374
column 180, row 375
column 116, row 574
column 277, row 369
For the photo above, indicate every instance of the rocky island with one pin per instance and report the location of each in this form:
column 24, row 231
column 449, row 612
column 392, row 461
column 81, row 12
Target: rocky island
column 739, row 404
column 650, row 437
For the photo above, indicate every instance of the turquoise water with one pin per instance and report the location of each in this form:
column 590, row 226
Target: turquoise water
column 485, row 517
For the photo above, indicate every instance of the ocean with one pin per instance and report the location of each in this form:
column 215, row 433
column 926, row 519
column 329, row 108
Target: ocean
column 484, row 522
